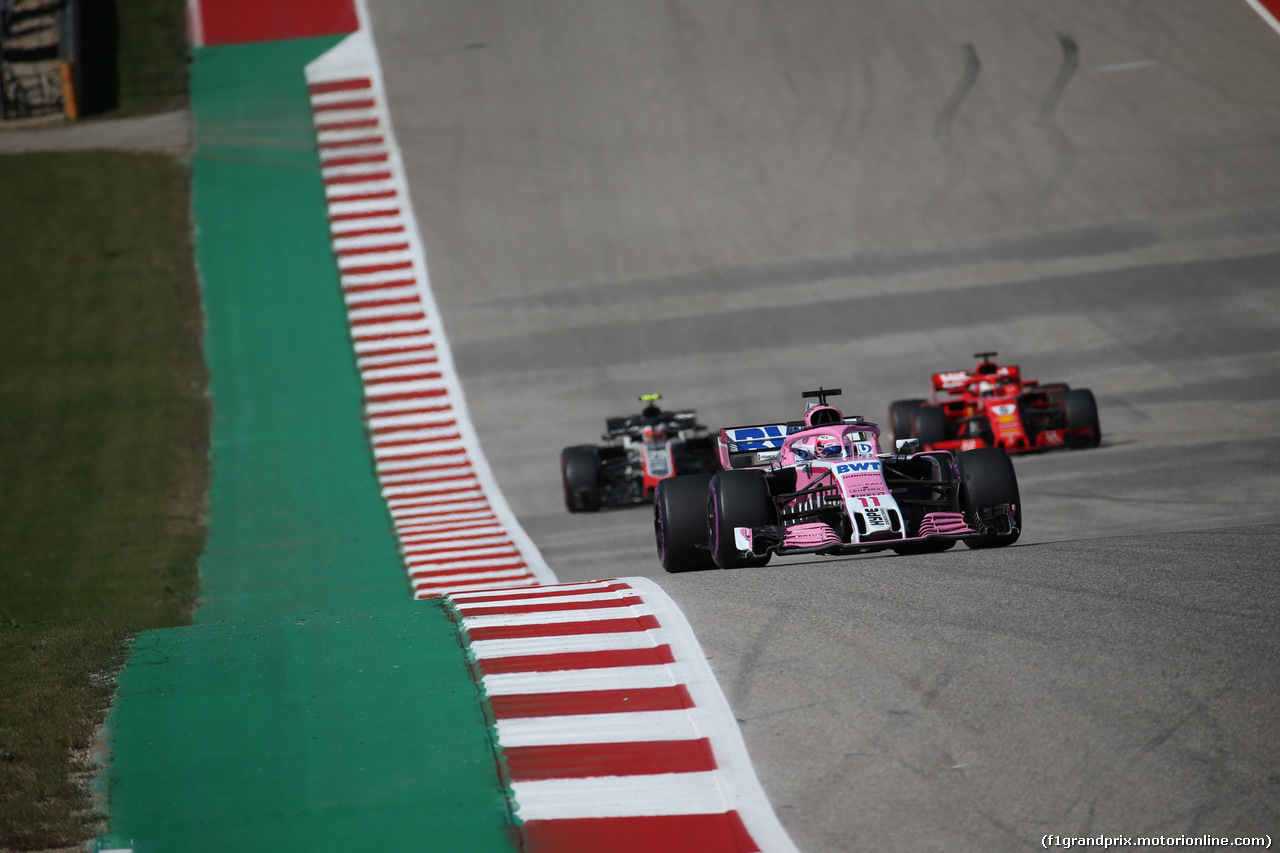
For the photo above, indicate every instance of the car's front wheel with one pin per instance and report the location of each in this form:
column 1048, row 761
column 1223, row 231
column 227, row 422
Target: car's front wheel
column 987, row 482
column 930, row 425
column 679, row 523
column 581, row 478
column 1080, row 411
column 900, row 418
column 737, row 499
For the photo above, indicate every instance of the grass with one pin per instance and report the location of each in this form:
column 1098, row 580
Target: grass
column 152, row 54
column 103, row 459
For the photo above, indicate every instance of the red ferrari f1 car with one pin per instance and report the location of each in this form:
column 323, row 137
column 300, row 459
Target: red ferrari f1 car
column 993, row 406
column 640, row 450
column 824, row 486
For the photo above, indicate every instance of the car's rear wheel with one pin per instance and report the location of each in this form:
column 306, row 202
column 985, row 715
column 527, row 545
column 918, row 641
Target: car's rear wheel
column 930, row 424
column 987, row 480
column 900, row 412
column 1055, row 390
column 1080, row 411
column 680, row 523
column 581, row 478
column 737, row 499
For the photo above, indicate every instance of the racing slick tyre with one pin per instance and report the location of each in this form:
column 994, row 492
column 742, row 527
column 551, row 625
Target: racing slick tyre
column 987, row 479
column 1080, row 411
column 580, row 476
column 930, row 424
column 1055, row 390
column 929, row 546
column 679, row 523
column 737, row 499
column 900, row 412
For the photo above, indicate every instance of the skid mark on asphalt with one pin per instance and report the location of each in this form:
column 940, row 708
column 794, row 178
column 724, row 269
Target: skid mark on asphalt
column 1064, row 152
column 957, row 166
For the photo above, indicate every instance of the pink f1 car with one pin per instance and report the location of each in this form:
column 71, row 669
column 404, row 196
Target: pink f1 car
column 993, row 406
column 823, row 486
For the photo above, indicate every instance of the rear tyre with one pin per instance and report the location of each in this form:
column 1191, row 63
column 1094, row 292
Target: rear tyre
column 1080, row 411
column 737, row 499
column 680, row 523
column 900, row 412
column 988, row 480
column 1055, row 390
column 580, row 477
column 930, row 424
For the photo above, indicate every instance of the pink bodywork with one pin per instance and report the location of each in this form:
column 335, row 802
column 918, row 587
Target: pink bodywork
column 853, row 477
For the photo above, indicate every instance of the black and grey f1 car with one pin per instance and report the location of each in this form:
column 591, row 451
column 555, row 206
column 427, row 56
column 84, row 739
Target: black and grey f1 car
column 640, row 451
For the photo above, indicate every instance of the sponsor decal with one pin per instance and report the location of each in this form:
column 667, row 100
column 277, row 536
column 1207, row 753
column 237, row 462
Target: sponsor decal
column 953, row 379
column 1005, row 410
column 864, row 448
column 757, row 438
column 656, row 461
column 1052, row 436
column 873, row 511
column 876, row 517
column 857, row 467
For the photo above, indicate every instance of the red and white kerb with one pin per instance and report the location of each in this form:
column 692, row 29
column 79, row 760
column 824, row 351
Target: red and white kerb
column 613, row 730
column 455, row 531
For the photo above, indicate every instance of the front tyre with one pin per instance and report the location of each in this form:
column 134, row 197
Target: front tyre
column 580, row 477
column 900, row 418
column 930, row 425
column 1080, row 411
column 928, row 546
column 737, row 499
column 679, row 523
column 987, row 481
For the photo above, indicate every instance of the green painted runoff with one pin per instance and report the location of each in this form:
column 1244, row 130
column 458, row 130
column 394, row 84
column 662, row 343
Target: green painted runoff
column 296, row 520
column 325, row 731
column 313, row 706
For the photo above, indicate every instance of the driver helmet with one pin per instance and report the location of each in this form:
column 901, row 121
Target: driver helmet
column 655, row 432
column 986, row 388
column 851, row 442
column 828, row 447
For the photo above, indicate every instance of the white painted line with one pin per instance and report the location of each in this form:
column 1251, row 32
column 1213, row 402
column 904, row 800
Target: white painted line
column 597, row 728
column 630, row 596
column 541, row 591
column 471, row 623
column 532, row 646
column 620, row 796
column 578, row 680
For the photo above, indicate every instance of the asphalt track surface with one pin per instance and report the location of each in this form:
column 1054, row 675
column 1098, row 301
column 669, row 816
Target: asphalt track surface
column 730, row 202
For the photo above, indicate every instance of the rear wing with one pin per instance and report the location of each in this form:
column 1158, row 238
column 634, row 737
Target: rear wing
column 952, row 381
column 752, row 445
column 633, row 424
column 955, row 381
